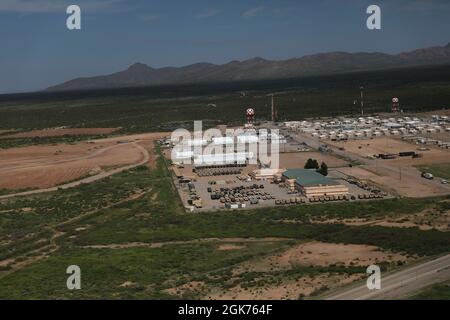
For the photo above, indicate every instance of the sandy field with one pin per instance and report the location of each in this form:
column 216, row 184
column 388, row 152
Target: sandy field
column 287, row 290
column 389, row 145
column 426, row 220
column 46, row 166
column 398, row 184
column 306, row 254
column 228, row 247
column 58, row 132
column 322, row 254
column 443, row 136
column 298, row 159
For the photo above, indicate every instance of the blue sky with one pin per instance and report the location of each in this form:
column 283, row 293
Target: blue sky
column 37, row 50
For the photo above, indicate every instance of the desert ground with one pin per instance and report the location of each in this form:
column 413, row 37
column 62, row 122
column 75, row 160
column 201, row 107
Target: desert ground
column 58, row 132
column 398, row 176
column 397, row 184
column 44, row 166
column 427, row 219
column 322, row 254
column 281, row 266
column 391, row 145
column 315, row 253
column 298, row 159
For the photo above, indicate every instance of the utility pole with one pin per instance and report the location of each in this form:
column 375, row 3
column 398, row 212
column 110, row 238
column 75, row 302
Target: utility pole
column 362, row 100
column 272, row 108
column 274, row 113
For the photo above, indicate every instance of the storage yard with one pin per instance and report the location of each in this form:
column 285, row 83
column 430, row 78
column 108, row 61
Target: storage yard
column 414, row 129
column 367, row 158
column 387, row 151
column 232, row 181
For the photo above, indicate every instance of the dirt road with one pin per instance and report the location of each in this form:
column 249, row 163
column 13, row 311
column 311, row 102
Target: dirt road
column 90, row 179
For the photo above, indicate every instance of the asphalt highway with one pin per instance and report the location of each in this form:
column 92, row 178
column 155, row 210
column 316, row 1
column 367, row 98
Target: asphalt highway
column 400, row 284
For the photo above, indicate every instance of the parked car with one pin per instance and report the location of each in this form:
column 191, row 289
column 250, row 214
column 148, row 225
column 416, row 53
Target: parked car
column 427, row 175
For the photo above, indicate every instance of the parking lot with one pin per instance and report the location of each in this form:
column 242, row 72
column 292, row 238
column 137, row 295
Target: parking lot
column 231, row 192
column 265, row 196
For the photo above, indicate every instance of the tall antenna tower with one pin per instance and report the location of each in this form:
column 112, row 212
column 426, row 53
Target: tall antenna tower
column 362, row 100
column 274, row 113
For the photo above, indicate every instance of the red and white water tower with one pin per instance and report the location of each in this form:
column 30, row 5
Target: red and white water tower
column 250, row 113
column 395, row 105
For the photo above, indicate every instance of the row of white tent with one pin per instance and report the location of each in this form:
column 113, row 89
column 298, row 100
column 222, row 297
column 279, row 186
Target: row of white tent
column 369, row 122
column 427, row 141
column 189, row 157
column 243, row 139
column 359, row 128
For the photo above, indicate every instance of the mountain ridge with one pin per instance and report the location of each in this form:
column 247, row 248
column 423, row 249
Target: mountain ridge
column 257, row 68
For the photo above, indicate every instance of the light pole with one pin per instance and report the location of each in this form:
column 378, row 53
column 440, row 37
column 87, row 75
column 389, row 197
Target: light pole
column 362, row 100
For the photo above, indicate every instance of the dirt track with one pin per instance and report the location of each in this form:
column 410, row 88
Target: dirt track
column 51, row 167
column 90, row 179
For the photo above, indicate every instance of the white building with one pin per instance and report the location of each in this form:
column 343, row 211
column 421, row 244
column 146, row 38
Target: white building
column 223, row 140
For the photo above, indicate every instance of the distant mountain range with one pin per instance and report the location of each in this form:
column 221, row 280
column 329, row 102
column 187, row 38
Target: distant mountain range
column 259, row 69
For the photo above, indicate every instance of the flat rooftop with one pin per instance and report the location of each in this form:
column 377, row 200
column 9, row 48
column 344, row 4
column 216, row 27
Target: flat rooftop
column 309, row 178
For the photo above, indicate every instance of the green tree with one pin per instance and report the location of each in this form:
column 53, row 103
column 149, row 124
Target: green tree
column 323, row 169
column 311, row 164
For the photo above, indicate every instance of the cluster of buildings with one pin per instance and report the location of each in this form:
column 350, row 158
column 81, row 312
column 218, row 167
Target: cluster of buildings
column 340, row 129
column 211, row 166
column 307, row 182
column 228, row 150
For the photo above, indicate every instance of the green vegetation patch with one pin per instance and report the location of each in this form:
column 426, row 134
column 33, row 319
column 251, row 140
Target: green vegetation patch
column 73, row 221
column 164, row 108
column 441, row 170
column 104, row 272
column 436, row 292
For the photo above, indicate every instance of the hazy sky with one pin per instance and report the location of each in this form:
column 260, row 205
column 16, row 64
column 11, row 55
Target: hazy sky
column 37, row 50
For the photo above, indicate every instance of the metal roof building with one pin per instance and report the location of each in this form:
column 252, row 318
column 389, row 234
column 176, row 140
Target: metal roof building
column 308, row 177
column 312, row 183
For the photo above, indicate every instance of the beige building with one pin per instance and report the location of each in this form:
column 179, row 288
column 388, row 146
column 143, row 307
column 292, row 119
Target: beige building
column 312, row 184
column 266, row 174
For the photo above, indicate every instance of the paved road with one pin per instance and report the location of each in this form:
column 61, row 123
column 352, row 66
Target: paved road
column 90, row 179
column 402, row 283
